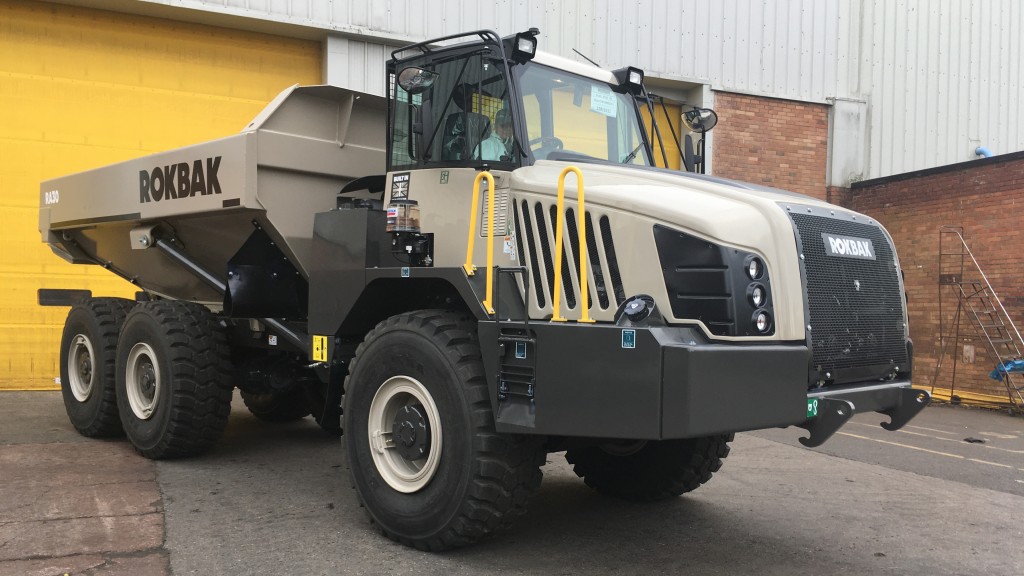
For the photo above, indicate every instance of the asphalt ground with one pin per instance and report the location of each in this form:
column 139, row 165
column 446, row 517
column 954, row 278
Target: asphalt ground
column 276, row 499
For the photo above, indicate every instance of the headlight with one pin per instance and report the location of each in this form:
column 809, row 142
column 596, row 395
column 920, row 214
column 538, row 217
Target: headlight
column 762, row 321
column 757, row 295
column 755, row 268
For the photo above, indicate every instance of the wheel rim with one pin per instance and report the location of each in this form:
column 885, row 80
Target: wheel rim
column 405, row 434
column 142, row 380
column 81, row 363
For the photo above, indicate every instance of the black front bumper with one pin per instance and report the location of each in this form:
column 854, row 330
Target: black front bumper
column 653, row 383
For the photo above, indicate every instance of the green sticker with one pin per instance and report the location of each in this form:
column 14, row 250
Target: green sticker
column 444, row 177
column 812, row 407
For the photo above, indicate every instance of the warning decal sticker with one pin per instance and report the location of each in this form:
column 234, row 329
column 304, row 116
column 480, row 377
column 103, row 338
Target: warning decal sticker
column 320, row 348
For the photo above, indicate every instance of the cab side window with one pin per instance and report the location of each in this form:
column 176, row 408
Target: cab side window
column 462, row 119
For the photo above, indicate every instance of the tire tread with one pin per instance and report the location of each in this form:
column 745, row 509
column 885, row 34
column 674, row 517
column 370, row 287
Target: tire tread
column 658, row 471
column 201, row 390
column 506, row 467
column 108, row 314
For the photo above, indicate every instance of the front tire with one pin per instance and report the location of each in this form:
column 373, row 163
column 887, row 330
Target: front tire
column 424, row 457
column 653, row 470
column 173, row 379
column 87, row 352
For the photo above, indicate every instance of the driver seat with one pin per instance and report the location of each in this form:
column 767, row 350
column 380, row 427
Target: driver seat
column 460, row 141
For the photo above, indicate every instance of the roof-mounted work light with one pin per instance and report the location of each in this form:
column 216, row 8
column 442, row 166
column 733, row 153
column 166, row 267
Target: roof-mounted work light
column 630, row 77
column 524, row 46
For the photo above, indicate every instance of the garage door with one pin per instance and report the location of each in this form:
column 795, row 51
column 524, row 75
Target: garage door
column 81, row 88
column 669, row 119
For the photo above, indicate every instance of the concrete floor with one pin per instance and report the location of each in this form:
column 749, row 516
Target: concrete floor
column 275, row 499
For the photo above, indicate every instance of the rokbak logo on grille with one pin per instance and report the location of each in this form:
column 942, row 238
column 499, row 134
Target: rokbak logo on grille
column 848, row 246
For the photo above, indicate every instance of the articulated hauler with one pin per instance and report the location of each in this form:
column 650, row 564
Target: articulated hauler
column 477, row 270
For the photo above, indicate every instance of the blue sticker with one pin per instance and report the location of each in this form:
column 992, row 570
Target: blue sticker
column 629, row 338
column 520, row 350
column 405, row 271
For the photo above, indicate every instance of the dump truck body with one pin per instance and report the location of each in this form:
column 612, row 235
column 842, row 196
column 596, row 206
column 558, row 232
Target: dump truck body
column 286, row 165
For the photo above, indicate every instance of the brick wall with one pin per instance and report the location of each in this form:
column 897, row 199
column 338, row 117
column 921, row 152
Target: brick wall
column 778, row 143
column 985, row 197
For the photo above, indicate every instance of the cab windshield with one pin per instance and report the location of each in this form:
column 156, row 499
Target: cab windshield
column 569, row 116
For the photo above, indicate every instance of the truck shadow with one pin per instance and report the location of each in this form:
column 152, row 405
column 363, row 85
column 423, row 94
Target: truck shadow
column 300, row 475
column 572, row 529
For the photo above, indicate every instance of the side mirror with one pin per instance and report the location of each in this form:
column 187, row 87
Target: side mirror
column 416, row 80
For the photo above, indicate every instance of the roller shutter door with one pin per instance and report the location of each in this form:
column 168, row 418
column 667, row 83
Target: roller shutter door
column 81, row 88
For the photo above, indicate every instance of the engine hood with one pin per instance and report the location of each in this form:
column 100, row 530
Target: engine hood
column 727, row 211
column 732, row 214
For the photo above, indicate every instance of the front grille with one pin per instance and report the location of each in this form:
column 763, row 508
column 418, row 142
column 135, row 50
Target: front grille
column 527, row 231
column 567, row 285
column 535, row 232
column 855, row 307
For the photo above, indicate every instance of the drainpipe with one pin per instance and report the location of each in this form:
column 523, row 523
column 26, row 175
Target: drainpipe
column 983, row 151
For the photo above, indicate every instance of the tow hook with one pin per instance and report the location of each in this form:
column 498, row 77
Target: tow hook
column 832, row 415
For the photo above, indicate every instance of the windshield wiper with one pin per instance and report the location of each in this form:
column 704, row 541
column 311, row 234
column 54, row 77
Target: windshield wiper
column 632, row 154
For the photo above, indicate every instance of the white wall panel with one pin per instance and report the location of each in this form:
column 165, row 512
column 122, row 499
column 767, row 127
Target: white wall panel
column 356, row 64
column 937, row 77
column 783, row 48
column 940, row 78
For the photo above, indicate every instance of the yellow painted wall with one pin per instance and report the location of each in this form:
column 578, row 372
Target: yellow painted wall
column 81, row 88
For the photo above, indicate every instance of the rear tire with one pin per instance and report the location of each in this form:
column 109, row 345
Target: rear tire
column 425, row 459
column 653, row 470
column 173, row 379
column 87, row 353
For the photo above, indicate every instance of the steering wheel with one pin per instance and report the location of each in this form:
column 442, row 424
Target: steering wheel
column 548, row 144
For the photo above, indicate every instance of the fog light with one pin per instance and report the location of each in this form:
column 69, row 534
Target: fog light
column 755, row 268
column 757, row 295
column 762, row 321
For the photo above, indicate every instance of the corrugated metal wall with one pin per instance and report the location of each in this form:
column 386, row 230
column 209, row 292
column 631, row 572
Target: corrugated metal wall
column 782, row 48
column 937, row 78
column 356, row 64
column 940, row 79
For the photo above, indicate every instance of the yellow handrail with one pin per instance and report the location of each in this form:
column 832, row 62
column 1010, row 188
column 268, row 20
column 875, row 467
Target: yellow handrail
column 468, row 266
column 581, row 227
